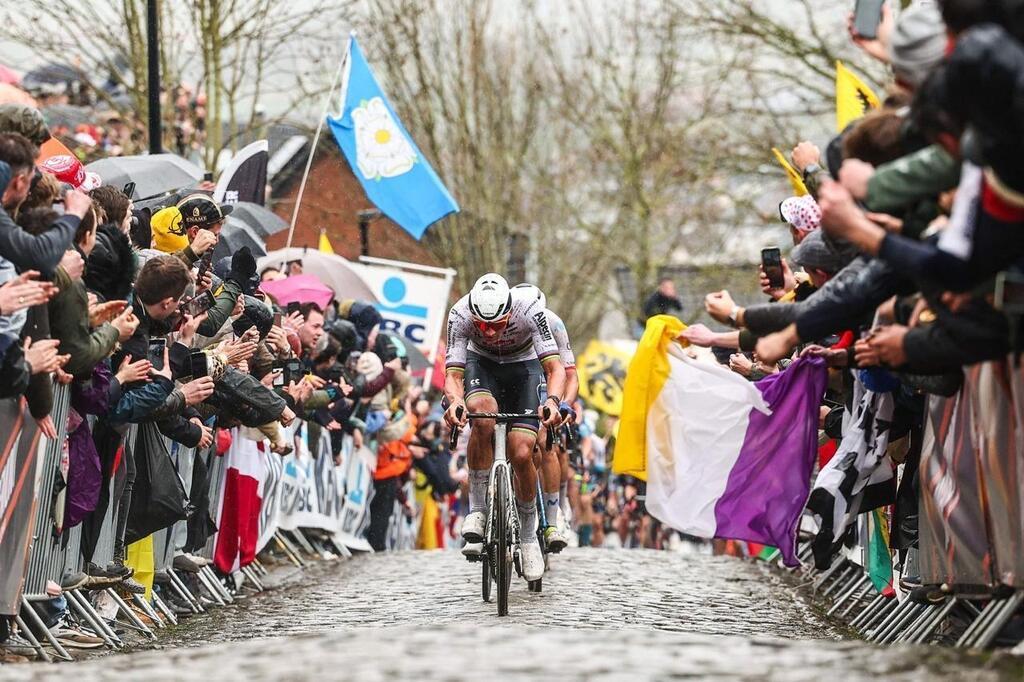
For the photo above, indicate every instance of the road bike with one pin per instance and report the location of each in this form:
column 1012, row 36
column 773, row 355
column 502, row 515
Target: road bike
column 502, row 535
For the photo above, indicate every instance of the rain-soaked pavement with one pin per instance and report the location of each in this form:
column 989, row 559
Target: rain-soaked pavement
column 603, row 614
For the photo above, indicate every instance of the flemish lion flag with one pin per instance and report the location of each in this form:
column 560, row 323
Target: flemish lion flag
column 795, row 179
column 723, row 457
column 853, row 97
column 602, row 370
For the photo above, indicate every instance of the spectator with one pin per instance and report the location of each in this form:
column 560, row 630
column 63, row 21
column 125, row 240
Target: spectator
column 664, row 300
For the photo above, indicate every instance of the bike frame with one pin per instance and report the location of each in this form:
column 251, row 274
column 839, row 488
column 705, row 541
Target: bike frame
column 501, row 462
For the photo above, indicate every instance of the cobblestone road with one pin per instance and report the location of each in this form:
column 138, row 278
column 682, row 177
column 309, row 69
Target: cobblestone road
column 602, row 615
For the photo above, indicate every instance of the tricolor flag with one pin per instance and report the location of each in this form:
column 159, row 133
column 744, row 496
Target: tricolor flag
column 238, row 520
column 391, row 168
column 723, row 457
column 853, row 97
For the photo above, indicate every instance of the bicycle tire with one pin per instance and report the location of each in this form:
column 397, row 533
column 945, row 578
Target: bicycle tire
column 502, row 564
column 485, row 588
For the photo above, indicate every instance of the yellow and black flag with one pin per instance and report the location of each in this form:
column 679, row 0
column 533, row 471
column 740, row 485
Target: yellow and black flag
column 853, row 97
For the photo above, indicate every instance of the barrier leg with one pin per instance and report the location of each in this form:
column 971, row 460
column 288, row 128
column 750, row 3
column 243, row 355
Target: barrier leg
column 910, row 612
column 289, row 550
column 836, row 567
column 854, row 586
column 204, row 581
column 148, row 609
column 251, row 577
column 134, row 621
column 839, row 582
column 923, row 616
column 216, row 584
column 878, row 602
column 872, row 625
column 183, row 592
column 858, row 598
column 993, row 619
column 302, row 541
column 928, row 627
column 164, row 609
column 34, row 618
column 260, row 568
column 27, row 633
column 87, row 613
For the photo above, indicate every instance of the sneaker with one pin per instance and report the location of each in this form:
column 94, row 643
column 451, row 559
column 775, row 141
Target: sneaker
column 532, row 561
column 554, row 539
column 473, row 527
column 201, row 561
column 119, row 570
column 7, row 656
column 161, row 577
column 102, row 571
column 472, row 550
column 183, row 562
column 96, row 582
column 73, row 580
column 75, row 638
column 133, row 586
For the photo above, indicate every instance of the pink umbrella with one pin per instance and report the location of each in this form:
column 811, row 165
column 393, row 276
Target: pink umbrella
column 8, row 75
column 300, row 289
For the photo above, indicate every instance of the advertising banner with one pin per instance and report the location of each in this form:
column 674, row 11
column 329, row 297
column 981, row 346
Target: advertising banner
column 412, row 300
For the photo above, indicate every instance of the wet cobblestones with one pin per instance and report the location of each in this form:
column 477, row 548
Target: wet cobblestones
column 602, row 615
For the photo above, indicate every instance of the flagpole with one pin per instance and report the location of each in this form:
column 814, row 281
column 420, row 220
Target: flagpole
column 316, row 137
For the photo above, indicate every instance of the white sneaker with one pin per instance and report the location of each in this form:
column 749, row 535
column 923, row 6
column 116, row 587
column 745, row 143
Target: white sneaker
column 555, row 538
column 473, row 527
column 533, row 561
column 472, row 549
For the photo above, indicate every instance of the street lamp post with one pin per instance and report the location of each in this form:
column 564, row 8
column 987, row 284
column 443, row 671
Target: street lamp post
column 153, row 79
column 366, row 216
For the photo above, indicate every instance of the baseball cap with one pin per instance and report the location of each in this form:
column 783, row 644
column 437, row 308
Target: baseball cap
column 814, row 253
column 25, row 120
column 802, row 213
column 69, row 169
column 200, row 210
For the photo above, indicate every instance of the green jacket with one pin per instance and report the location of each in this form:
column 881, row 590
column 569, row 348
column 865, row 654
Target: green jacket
column 899, row 184
column 69, row 323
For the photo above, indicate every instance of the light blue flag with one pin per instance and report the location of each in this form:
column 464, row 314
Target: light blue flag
column 391, row 168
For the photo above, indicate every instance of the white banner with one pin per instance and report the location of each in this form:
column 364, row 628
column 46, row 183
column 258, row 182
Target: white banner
column 303, row 482
column 412, row 299
column 355, row 514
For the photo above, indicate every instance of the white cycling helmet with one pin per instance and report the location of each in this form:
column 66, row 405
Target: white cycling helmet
column 490, row 298
column 536, row 291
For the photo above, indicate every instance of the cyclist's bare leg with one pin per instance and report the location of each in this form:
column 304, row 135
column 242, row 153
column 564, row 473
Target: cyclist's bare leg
column 520, row 455
column 479, row 457
column 479, row 453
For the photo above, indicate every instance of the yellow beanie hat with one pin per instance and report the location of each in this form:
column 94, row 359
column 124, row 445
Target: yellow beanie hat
column 168, row 232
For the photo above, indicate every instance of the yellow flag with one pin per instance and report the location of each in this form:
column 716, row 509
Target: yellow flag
column 795, row 179
column 853, row 97
column 602, row 371
column 325, row 243
column 645, row 378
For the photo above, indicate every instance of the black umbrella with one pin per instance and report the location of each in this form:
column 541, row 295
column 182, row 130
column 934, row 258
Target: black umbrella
column 417, row 360
column 153, row 174
column 234, row 235
column 260, row 219
column 51, row 74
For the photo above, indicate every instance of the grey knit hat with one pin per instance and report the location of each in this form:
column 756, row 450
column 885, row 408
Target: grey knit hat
column 918, row 42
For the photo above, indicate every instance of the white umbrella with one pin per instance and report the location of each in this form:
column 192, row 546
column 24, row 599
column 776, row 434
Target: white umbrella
column 334, row 271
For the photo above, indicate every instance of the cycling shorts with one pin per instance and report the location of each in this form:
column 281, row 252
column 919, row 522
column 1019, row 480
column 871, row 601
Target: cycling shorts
column 514, row 385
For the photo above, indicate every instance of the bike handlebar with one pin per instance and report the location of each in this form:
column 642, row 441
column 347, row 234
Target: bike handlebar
column 498, row 417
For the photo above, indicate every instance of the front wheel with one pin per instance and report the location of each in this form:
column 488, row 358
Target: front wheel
column 535, row 585
column 502, row 550
column 485, row 587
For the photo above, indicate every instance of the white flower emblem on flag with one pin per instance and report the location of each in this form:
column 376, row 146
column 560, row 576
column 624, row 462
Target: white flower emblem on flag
column 382, row 149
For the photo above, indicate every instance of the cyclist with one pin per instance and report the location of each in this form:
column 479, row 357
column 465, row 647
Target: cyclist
column 500, row 349
column 554, row 471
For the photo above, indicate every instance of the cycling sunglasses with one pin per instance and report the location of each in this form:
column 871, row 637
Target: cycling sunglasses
column 495, row 325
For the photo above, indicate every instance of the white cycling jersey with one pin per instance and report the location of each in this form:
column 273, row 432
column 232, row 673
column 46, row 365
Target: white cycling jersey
column 527, row 336
column 561, row 339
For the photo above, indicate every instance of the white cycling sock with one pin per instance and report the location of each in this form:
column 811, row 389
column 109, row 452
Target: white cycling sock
column 478, row 489
column 552, row 509
column 563, row 492
column 527, row 520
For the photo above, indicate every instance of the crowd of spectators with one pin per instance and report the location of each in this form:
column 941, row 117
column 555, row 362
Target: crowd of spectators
column 906, row 248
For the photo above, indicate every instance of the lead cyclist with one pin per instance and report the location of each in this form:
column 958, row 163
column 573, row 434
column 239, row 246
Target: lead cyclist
column 553, row 470
column 500, row 349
